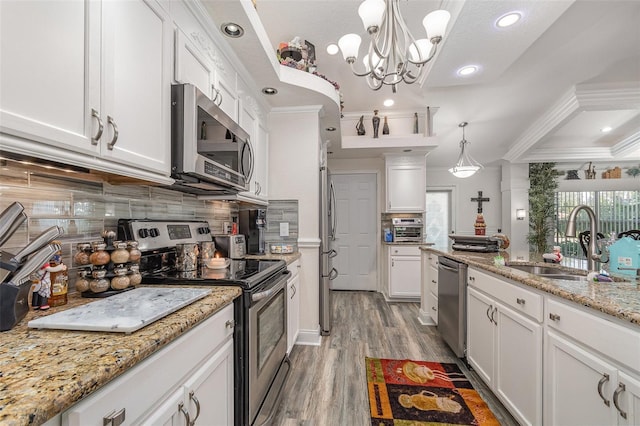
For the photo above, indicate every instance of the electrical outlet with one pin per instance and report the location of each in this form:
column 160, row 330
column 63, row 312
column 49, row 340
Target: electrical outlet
column 284, row 229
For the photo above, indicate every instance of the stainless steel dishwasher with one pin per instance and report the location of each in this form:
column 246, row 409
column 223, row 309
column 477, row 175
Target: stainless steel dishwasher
column 452, row 309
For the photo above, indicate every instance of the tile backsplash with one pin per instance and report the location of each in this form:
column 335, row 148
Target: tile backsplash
column 84, row 209
column 282, row 211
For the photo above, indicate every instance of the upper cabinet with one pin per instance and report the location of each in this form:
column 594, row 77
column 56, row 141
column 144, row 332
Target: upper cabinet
column 405, row 183
column 251, row 118
column 90, row 78
column 197, row 62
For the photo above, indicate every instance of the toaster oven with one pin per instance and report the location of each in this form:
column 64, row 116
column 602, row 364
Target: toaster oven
column 407, row 229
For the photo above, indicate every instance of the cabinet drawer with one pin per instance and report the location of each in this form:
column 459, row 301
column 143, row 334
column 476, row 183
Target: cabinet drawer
column 404, row 250
column 433, row 260
column 521, row 300
column 432, row 302
column 433, row 280
column 141, row 387
column 294, row 268
column 616, row 341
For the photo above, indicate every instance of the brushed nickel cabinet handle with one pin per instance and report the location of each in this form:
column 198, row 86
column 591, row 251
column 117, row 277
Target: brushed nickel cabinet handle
column 192, row 397
column 230, row 324
column 616, row 395
column 433, row 308
column 489, row 309
column 114, row 418
column 492, row 314
column 603, row 380
column 96, row 138
column 111, row 121
column 520, row 301
column 554, row 317
column 185, row 413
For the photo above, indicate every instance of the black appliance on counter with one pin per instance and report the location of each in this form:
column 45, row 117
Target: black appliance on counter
column 253, row 226
column 261, row 364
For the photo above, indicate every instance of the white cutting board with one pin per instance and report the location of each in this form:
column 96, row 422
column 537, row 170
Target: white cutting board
column 125, row 312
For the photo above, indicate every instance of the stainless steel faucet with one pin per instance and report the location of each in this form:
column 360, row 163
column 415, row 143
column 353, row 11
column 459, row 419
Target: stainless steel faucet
column 592, row 252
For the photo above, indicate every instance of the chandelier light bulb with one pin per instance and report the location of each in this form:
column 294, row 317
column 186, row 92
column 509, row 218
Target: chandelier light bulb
column 371, row 12
column 435, row 23
column 420, row 50
column 349, row 44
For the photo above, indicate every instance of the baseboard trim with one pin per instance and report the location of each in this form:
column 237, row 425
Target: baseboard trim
column 309, row 338
column 425, row 318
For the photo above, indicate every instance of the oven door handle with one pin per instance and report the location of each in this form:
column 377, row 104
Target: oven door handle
column 271, row 291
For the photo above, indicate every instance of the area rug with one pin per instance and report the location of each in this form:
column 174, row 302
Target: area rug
column 414, row 393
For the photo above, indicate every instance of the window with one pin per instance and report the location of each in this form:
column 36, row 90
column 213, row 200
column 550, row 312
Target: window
column 616, row 211
column 438, row 215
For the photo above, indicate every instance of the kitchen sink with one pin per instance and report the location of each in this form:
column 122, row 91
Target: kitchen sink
column 548, row 272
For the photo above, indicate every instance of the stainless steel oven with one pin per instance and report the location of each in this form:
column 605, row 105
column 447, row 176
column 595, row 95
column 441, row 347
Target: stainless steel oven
column 261, row 365
column 267, row 345
column 407, row 229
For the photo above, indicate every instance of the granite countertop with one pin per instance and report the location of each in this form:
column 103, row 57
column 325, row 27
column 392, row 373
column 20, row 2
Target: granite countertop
column 406, row 243
column 620, row 299
column 44, row 372
column 289, row 258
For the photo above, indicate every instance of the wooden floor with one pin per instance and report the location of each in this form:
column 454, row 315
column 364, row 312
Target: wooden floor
column 327, row 384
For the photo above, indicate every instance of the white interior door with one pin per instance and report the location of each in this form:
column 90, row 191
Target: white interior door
column 355, row 239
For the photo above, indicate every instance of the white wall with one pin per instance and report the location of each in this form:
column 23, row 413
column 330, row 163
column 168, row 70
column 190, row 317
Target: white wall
column 294, row 173
column 488, row 181
column 515, row 195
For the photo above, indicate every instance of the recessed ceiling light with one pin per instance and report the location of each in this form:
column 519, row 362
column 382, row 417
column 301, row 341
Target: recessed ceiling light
column 332, row 49
column 331, row 129
column 232, row 30
column 606, row 129
column 388, row 102
column 508, row 19
column 269, row 91
column 467, row 70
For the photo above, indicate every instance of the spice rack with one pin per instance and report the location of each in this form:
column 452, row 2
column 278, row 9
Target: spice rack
column 107, row 267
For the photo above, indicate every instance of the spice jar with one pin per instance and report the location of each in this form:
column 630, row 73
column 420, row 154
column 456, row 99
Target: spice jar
column 99, row 283
column 134, row 252
column 99, row 256
column 121, row 280
column 120, row 254
column 83, row 251
column 82, row 283
column 135, row 278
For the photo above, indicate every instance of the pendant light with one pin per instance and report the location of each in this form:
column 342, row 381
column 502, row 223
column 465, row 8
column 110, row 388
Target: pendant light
column 466, row 165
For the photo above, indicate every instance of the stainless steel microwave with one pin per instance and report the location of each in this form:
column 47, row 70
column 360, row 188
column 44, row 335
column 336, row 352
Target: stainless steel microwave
column 210, row 153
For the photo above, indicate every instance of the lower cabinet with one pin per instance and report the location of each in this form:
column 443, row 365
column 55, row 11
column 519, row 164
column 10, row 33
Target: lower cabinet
column 504, row 346
column 293, row 305
column 429, row 290
column 404, row 271
column 588, row 369
column 189, row 380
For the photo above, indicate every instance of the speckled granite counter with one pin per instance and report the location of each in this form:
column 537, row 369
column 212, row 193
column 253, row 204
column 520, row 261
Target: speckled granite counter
column 289, row 258
column 44, row 372
column 405, row 243
column 620, row 299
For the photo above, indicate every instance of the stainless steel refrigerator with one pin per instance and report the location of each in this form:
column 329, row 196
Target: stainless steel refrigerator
column 328, row 224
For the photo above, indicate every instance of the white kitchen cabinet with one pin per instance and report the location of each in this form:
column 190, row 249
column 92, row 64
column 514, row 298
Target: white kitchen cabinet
column 404, row 271
column 90, row 78
column 195, row 63
column 152, row 391
column 589, row 364
column 293, row 305
column 504, row 344
column 429, row 289
column 405, row 184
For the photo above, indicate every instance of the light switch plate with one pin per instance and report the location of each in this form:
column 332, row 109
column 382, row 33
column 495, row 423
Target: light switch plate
column 284, row 229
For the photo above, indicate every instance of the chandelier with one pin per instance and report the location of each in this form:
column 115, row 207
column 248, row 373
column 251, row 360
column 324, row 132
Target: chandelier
column 466, row 165
column 394, row 55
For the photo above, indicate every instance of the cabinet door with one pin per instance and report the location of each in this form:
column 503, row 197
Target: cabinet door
column 261, row 160
column 480, row 334
column 404, row 276
column 192, row 66
column 49, row 72
column 293, row 311
column 573, row 377
column 225, row 84
column 136, row 84
column 405, row 188
column 432, row 303
column 628, row 399
column 170, row 413
column 518, row 365
column 208, row 395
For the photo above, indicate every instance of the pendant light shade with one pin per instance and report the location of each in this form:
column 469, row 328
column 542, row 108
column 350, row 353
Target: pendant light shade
column 466, row 166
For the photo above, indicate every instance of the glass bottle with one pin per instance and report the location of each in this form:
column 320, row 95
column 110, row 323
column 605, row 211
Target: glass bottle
column 134, row 252
column 82, row 283
column 385, row 126
column 99, row 256
column 83, row 251
column 121, row 280
column 59, row 279
column 135, row 277
column 120, row 255
column 99, row 283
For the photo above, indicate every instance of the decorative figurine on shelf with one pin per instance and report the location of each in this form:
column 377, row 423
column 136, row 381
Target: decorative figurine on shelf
column 385, row 126
column 376, row 123
column 360, row 127
column 415, row 123
column 479, row 225
column 590, row 173
column 572, row 175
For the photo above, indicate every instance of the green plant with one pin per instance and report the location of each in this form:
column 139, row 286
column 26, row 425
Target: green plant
column 542, row 189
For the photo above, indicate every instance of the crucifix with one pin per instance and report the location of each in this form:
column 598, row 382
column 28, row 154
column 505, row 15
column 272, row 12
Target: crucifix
column 480, row 200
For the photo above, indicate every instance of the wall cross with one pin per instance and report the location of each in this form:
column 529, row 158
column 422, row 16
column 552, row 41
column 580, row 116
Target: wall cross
column 480, row 200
